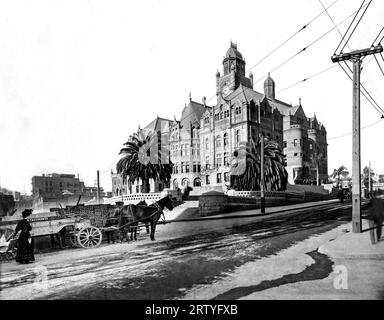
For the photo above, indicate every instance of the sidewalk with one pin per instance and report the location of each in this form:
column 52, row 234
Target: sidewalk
column 354, row 246
column 357, row 266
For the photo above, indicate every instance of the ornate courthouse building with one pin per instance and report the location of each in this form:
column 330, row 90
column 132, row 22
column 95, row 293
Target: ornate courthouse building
column 203, row 141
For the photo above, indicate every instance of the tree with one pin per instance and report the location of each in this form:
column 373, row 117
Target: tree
column 139, row 160
column 366, row 173
column 337, row 173
column 275, row 174
column 316, row 158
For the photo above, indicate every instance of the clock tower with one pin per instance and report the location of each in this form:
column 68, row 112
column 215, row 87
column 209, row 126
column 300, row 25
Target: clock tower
column 234, row 73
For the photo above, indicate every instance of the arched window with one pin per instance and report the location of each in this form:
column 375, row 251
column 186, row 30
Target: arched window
column 195, row 133
column 237, row 137
column 185, row 182
column 218, row 141
column 197, row 182
column 225, row 139
column 175, row 184
column 206, row 144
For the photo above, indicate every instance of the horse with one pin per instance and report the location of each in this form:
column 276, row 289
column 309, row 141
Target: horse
column 125, row 220
column 146, row 214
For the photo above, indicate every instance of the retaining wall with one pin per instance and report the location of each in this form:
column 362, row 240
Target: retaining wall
column 212, row 203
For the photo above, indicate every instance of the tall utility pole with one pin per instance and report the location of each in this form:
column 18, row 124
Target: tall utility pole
column 98, row 187
column 262, row 197
column 356, row 57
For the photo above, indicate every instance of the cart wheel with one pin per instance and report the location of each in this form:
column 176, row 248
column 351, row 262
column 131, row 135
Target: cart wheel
column 89, row 237
column 71, row 239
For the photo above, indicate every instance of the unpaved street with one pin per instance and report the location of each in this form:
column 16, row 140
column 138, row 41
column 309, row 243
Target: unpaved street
column 187, row 260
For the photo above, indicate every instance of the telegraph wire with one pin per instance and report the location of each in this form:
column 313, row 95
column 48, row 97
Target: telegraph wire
column 297, row 32
column 366, row 91
column 333, row 21
column 381, row 69
column 307, row 47
column 373, row 43
column 348, row 134
column 346, row 44
column 378, row 109
column 308, row 78
column 353, row 31
column 357, row 13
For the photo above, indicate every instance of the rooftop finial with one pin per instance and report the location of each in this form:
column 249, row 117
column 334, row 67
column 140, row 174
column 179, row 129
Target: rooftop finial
column 204, row 101
column 299, row 101
column 190, row 96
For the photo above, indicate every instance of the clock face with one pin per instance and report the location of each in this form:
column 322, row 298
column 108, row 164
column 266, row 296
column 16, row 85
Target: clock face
column 226, row 90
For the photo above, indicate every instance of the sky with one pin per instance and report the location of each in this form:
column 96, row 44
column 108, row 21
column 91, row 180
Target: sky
column 78, row 77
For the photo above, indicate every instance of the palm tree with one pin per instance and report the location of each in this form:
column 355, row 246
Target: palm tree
column 337, row 173
column 316, row 158
column 368, row 175
column 275, row 174
column 136, row 163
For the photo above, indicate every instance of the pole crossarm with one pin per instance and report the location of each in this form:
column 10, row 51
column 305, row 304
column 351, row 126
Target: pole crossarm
column 358, row 54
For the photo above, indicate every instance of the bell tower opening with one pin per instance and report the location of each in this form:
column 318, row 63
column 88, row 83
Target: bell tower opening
column 233, row 72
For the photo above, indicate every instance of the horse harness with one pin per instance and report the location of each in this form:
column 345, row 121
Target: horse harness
column 156, row 205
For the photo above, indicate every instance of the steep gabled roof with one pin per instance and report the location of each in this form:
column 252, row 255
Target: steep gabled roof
column 245, row 94
column 191, row 113
column 159, row 124
column 299, row 111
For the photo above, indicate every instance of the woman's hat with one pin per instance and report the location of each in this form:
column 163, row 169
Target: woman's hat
column 27, row 212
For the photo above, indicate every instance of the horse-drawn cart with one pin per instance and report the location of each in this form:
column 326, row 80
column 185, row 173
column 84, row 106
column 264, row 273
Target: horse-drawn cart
column 76, row 230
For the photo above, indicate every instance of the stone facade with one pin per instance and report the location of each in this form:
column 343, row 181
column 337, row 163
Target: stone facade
column 205, row 138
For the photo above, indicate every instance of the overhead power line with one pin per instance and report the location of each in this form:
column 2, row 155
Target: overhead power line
column 366, row 91
column 346, row 43
column 348, row 134
column 306, row 48
column 342, row 39
column 381, row 69
column 363, row 93
column 353, row 31
column 333, row 21
column 373, row 43
column 308, row 78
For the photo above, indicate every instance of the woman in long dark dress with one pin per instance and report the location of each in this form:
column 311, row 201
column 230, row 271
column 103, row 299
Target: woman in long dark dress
column 24, row 244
